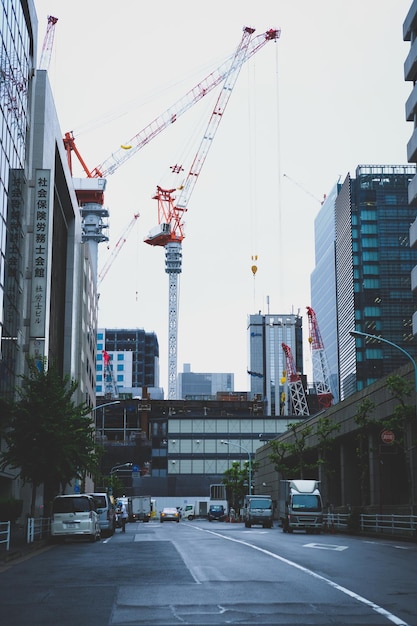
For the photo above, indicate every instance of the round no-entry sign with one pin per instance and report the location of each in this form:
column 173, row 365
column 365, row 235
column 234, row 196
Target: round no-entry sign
column 387, row 436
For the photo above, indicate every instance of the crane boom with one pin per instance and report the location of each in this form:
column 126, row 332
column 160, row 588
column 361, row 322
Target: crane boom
column 320, row 366
column 48, row 43
column 118, row 246
column 295, row 384
column 144, row 136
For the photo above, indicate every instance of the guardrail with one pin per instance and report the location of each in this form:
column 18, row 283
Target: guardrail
column 5, row 534
column 383, row 524
column 37, row 528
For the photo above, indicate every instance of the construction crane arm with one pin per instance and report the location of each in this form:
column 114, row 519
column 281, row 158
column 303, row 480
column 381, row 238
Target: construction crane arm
column 136, row 143
column 118, row 246
column 48, row 43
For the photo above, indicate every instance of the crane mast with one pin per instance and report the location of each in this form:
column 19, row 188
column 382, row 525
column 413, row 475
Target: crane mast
column 170, row 230
column 295, row 384
column 321, row 375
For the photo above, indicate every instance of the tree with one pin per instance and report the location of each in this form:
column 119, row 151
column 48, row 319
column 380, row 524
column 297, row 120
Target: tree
column 50, row 439
column 365, row 424
column 236, row 480
column 325, row 429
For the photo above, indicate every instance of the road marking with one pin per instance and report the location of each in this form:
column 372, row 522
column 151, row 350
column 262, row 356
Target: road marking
column 325, row 546
column 375, row 607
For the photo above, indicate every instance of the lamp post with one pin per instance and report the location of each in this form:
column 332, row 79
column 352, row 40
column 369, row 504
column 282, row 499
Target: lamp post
column 357, row 333
column 115, row 468
column 238, row 445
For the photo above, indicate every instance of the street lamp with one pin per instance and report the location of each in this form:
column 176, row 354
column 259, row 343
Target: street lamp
column 115, row 468
column 238, row 445
column 101, row 406
column 357, row 333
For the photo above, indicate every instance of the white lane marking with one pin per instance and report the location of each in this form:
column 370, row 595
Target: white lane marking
column 325, row 546
column 375, row 607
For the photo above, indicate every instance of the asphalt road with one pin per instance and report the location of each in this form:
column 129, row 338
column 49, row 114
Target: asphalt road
column 202, row 573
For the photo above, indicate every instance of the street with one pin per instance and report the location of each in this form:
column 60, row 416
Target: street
column 202, row 573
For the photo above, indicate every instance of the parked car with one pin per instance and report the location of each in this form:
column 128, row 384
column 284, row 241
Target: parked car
column 216, row 511
column 75, row 516
column 106, row 512
column 169, row 515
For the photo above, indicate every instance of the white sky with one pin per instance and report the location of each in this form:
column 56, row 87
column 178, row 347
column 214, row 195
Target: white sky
column 328, row 96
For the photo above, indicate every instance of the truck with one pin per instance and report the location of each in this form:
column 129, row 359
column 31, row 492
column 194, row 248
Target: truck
column 257, row 510
column 141, row 508
column 300, row 506
column 199, row 508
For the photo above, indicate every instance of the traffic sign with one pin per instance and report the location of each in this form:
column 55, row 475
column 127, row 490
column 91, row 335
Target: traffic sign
column 387, row 436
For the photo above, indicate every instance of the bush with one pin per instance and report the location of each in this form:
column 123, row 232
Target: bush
column 10, row 509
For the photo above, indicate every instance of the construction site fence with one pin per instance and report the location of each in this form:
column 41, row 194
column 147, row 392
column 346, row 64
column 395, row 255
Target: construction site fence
column 377, row 523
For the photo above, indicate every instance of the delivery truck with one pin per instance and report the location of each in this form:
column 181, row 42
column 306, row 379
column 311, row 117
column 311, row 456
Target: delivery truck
column 257, row 510
column 141, row 508
column 300, row 506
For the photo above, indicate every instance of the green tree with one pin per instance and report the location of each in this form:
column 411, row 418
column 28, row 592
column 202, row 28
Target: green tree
column 236, row 480
column 50, row 439
column 399, row 421
column 280, row 450
column 325, row 430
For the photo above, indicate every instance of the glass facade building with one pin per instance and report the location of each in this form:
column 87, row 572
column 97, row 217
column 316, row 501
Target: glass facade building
column 373, row 270
column 17, row 50
column 266, row 334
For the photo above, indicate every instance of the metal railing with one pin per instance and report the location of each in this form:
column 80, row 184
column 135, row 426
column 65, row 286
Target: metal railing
column 37, row 528
column 383, row 524
column 5, row 534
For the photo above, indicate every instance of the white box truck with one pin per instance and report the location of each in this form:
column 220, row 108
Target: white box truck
column 257, row 510
column 141, row 508
column 300, row 506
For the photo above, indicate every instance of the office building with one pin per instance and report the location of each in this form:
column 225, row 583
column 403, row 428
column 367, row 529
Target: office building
column 373, row 270
column 132, row 363
column 195, row 385
column 323, row 285
column 410, row 74
column 266, row 334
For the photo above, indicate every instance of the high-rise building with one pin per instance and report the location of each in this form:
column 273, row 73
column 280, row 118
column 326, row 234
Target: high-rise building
column 323, row 284
column 410, row 74
column 266, row 334
column 133, row 363
column 195, row 385
column 373, row 269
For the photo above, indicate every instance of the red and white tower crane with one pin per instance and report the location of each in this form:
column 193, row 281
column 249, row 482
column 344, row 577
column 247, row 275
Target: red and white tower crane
column 110, row 387
column 170, row 230
column 48, row 43
column 321, row 377
column 90, row 190
column 295, row 385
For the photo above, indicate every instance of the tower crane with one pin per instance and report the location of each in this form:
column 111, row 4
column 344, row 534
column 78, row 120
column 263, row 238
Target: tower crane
column 118, row 246
column 110, row 387
column 90, row 190
column 321, row 375
column 295, row 384
column 48, row 43
column 169, row 232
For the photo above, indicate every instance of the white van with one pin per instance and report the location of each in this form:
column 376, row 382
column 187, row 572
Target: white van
column 75, row 516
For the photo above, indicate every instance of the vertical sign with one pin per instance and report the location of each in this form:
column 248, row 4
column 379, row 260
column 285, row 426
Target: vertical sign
column 40, row 253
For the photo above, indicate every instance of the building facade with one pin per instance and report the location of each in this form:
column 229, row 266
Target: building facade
column 48, row 296
column 133, row 364
column 410, row 74
column 196, row 385
column 266, row 334
column 373, row 270
column 323, row 284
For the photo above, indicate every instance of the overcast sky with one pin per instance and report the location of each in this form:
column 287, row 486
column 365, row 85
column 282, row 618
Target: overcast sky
column 305, row 111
